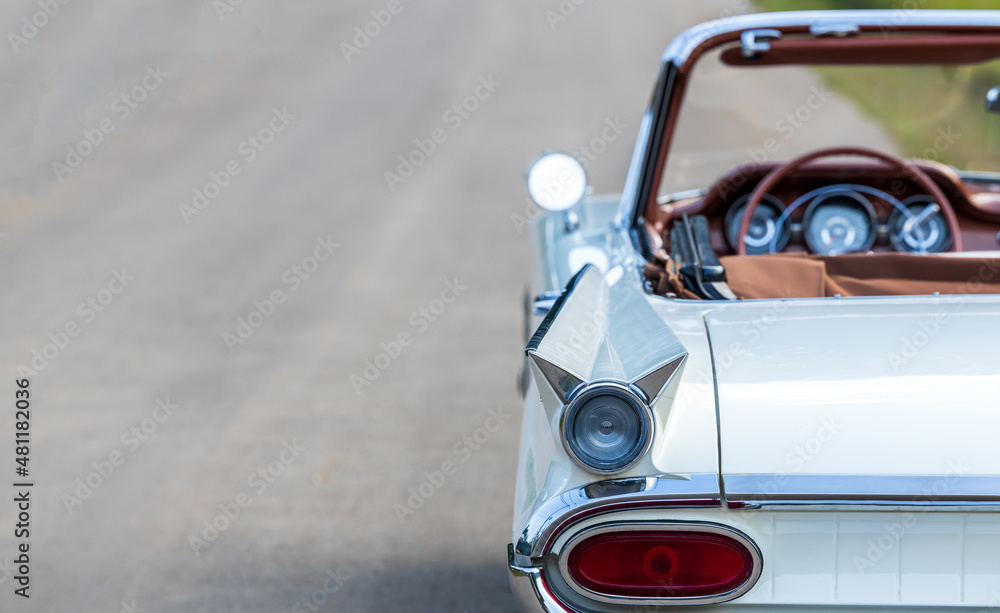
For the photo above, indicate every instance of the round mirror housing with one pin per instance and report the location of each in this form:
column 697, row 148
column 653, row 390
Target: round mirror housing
column 993, row 100
column 557, row 181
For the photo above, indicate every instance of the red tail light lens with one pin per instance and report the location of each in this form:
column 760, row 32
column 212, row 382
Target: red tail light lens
column 661, row 564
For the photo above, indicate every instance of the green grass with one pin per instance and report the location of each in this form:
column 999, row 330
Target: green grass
column 915, row 103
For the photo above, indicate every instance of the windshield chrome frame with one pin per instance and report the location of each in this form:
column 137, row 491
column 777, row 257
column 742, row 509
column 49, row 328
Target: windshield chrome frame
column 644, row 173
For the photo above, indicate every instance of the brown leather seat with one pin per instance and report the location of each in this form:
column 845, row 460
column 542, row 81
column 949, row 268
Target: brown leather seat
column 880, row 274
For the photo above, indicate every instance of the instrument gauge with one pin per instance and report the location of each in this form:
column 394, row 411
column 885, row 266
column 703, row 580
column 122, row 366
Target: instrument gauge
column 922, row 230
column 764, row 227
column 840, row 222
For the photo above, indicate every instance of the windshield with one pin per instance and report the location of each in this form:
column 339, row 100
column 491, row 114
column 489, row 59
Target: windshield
column 737, row 115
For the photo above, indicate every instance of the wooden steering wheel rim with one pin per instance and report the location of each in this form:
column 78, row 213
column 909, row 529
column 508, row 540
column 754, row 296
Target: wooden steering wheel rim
column 912, row 172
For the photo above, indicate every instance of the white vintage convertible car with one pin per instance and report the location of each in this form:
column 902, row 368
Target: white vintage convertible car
column 767, row 376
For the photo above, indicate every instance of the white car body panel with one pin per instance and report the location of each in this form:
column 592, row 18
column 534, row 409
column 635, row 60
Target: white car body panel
column 687, row 431
column 899, row 386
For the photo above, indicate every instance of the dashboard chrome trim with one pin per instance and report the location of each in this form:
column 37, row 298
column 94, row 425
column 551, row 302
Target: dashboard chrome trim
column 698, row 490
column 820, row 194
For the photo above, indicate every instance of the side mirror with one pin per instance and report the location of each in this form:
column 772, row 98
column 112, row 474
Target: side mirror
column 993, row 100
column 557, row 181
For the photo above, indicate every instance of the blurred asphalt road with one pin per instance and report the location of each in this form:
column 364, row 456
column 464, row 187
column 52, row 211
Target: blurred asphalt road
column 199, row 240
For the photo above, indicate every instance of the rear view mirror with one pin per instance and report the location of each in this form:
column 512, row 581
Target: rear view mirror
column 557, row 181
column 993, row 100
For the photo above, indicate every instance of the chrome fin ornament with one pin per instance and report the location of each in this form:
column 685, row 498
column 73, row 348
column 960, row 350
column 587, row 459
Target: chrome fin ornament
column 655, row 382
column 598, row 331
column 564, row 347
column 562, row 382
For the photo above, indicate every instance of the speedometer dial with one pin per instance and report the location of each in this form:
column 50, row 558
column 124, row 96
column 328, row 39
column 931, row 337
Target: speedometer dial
column 765, row 228
column 923, row 230
column 840, row 222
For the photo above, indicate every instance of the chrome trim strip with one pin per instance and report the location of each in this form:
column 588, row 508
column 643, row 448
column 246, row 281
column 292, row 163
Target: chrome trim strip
column 699, row 490
column 669, row 526
column 553, row 312
column 630, row 193
column 699, row 192
column 528, row 586
column 952, row 490
column 681, row 49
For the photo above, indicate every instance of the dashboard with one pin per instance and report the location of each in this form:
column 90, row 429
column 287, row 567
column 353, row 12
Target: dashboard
column 840, row 219
column 841, row 209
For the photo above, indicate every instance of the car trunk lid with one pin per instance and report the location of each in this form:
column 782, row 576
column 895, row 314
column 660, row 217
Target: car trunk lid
column 875, row 389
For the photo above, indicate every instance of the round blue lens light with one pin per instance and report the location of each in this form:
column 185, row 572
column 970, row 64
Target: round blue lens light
column 607, row 429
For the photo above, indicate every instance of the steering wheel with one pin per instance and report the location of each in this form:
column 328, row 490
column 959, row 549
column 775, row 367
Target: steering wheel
column 912, row 171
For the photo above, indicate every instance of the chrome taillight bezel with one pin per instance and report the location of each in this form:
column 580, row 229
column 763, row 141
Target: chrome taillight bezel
column 661, row 526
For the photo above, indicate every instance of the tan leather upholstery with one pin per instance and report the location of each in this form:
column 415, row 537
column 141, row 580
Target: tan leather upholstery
column 880, row 274
column 812, row 276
